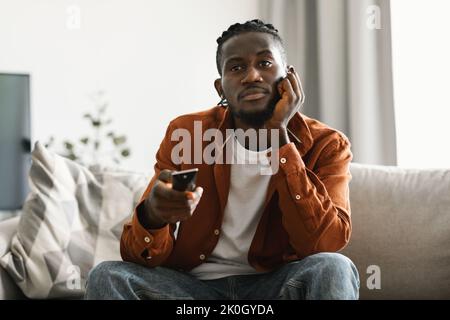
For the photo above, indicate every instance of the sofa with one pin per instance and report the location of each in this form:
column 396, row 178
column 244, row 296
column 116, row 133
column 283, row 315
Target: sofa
column 400, row 239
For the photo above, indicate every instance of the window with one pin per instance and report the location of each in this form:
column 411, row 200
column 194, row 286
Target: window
column 421, row 72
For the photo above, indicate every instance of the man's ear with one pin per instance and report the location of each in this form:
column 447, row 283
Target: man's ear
column 218, row 86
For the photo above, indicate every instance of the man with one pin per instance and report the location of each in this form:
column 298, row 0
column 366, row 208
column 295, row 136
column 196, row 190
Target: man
column 243, row 233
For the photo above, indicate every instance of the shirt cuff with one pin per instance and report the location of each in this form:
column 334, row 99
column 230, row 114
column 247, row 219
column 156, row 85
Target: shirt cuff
column 146, row 238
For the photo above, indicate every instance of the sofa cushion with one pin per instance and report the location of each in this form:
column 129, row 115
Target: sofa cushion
column 401, row 232
column 71, row 221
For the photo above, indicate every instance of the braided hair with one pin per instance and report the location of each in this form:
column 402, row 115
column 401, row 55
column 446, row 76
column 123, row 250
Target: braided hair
column 255, row 25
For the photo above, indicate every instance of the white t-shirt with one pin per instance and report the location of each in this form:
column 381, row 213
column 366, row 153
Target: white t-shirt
column 248, row 188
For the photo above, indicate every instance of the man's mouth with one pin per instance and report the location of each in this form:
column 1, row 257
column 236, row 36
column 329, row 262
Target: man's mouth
column 253, row 94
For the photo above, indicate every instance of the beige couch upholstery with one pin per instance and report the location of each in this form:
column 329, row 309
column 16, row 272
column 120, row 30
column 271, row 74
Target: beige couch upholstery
column 401, row 234
column 401, row 225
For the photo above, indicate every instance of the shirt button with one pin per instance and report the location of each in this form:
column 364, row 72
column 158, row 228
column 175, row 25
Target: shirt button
column 297, row 196
column 147, row 239
column 202, row 257
column 216, row 232
column 283, row 160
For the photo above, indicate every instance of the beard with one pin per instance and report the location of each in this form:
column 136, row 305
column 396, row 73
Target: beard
column 256, row 118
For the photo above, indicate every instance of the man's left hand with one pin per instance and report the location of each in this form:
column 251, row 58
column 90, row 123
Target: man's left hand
column 292, row 98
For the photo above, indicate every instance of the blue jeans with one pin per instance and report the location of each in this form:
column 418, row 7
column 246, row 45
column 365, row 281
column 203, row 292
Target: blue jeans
column 319, row 276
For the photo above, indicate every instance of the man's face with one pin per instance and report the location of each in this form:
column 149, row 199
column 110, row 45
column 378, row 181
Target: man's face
column 252, row 65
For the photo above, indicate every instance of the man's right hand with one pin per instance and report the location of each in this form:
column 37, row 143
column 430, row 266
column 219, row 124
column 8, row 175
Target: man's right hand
column 165, row 205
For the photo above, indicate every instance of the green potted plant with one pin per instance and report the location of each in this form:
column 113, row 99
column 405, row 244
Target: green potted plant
column 101, row 144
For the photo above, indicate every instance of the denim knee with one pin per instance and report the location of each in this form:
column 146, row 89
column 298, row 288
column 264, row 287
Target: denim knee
column 324, row 276
column 335, row 264
column 332, row 259
column 102, row 271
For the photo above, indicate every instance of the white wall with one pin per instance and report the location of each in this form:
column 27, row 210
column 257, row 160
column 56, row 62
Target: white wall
column 154, row 59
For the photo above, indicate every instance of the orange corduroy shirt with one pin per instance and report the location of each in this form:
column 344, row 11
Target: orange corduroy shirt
column 306, row 209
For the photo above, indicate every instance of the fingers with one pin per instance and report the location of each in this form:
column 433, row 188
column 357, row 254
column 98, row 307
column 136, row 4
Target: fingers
column 299, row 86
column 285, row 89
column 294, row 83
column 168, row 206
column 180, row 215
column 172, row 205
column 165, row 191
column 177, row 205
column 197, row 193
column 165, row 176
column 291, row 85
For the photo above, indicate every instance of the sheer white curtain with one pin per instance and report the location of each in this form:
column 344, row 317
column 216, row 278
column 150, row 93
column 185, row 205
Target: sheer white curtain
column 342, row 50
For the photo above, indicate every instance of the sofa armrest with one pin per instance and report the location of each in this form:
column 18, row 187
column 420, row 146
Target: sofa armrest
column 8, row 289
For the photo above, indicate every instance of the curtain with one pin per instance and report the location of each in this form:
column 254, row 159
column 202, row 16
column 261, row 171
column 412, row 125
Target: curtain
column 342, row 51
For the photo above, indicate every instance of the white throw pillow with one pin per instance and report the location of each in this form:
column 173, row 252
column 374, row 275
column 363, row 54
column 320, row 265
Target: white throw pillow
column 71, row 221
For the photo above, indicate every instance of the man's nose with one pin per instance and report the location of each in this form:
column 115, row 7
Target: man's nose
column 252, row 75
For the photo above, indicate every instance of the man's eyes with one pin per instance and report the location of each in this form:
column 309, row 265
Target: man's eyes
column 264, row 64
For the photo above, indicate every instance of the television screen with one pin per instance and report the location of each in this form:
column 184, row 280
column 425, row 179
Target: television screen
column 14, row 139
